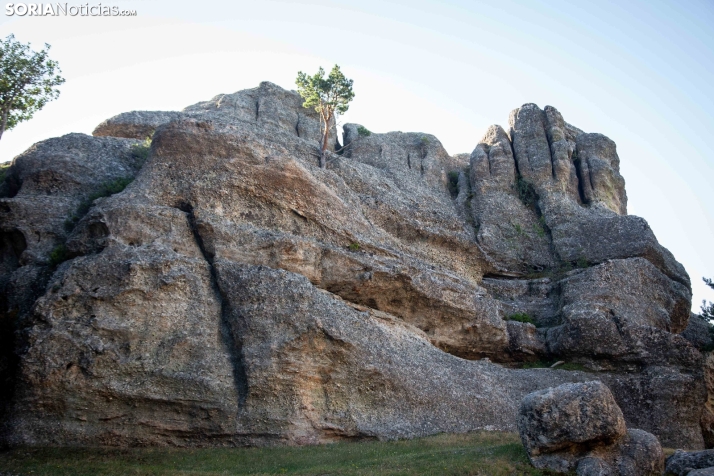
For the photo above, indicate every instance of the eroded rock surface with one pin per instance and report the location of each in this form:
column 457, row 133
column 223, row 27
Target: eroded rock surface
column 684, row 463
column 579, row 426
column 237, row 293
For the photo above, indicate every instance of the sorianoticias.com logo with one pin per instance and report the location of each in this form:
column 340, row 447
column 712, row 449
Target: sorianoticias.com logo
column 63, row 9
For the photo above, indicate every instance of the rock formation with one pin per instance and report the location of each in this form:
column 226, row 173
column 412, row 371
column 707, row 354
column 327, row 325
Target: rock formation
column 236, row 293
column 579, row 426
column 686, row 463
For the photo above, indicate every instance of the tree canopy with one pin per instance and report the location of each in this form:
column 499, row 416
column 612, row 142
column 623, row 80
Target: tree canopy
column 329, row 96
column 28, row 81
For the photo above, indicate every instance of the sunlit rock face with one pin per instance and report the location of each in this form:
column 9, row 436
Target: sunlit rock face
column 236, row 293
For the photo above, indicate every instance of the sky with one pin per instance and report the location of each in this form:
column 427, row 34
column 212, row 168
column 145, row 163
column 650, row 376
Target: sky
column 640, row 72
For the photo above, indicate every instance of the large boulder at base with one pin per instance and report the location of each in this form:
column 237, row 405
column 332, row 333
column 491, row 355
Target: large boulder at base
column 579, row 426
column 563, row 419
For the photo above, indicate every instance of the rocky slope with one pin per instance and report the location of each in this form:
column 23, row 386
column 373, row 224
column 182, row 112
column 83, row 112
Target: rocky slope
column 236, row 293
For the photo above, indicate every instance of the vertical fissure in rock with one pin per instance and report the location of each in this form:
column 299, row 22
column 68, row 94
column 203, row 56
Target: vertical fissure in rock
column 409, row 160
column 234, row 347
column 579, row 175
column 297, row 126
column 257, row 109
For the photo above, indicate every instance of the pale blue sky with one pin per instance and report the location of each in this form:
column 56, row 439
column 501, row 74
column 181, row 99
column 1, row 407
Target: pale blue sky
column 639, row 72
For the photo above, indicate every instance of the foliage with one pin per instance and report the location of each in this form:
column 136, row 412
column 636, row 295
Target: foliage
column 4, row 168
column 526, row 192
column 28, row 81
column 328, row 96
column 582, row 262
column 424, row 140
column 105, row 190
column 141, row 151
column 521, row 317
column 58, row 255
column 354, row 246
column 708, row 307
column 363, row 131
column 478, row 453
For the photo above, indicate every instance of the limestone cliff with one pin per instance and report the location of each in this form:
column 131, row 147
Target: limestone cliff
column 236, row 293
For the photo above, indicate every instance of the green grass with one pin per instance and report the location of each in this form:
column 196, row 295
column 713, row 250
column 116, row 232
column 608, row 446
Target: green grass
column 483, row 453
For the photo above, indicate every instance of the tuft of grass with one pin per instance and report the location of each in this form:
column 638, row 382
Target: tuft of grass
column 582, row 262
column 354, row 246
column 521, row 317
column 424, row 140
column 363, row 131
column 479, row 453
column 58, row 255
column 105, row 190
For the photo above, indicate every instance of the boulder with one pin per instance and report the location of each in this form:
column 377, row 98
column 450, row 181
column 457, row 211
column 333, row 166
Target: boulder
column 684, row 463
column 579, row 426
column 556, row 423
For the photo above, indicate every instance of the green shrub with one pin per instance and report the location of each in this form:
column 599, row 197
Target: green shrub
column 582, row 262
column 354, row 246
column 425, row 140
column 4, row 169
column 521, row 317
column 105, row 190
column 141, row 151
column 363, row 131
column 526, row 193
column 58, row 255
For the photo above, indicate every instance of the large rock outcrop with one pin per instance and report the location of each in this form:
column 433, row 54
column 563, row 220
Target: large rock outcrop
column 236, row 293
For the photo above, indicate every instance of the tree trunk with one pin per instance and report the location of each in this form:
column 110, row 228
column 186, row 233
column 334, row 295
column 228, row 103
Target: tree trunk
column 325, row 138
column 3, row 125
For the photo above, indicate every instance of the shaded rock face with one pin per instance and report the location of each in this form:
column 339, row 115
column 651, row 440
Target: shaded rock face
column 579, row 426
column 683, row 463
column 236, row 293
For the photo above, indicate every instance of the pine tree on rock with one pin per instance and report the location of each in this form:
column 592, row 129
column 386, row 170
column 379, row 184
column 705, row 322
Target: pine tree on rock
column 329, row 96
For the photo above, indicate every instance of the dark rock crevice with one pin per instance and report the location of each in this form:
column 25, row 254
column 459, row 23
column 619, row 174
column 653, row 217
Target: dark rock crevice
column 233, row 346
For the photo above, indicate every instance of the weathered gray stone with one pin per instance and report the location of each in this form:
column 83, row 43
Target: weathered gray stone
column 639, row 454
column 558, row 424
column 135, row 124
column 381, row 273
column 579, row 426
column 593, row 466
column 699, row 332
column 683, row 463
